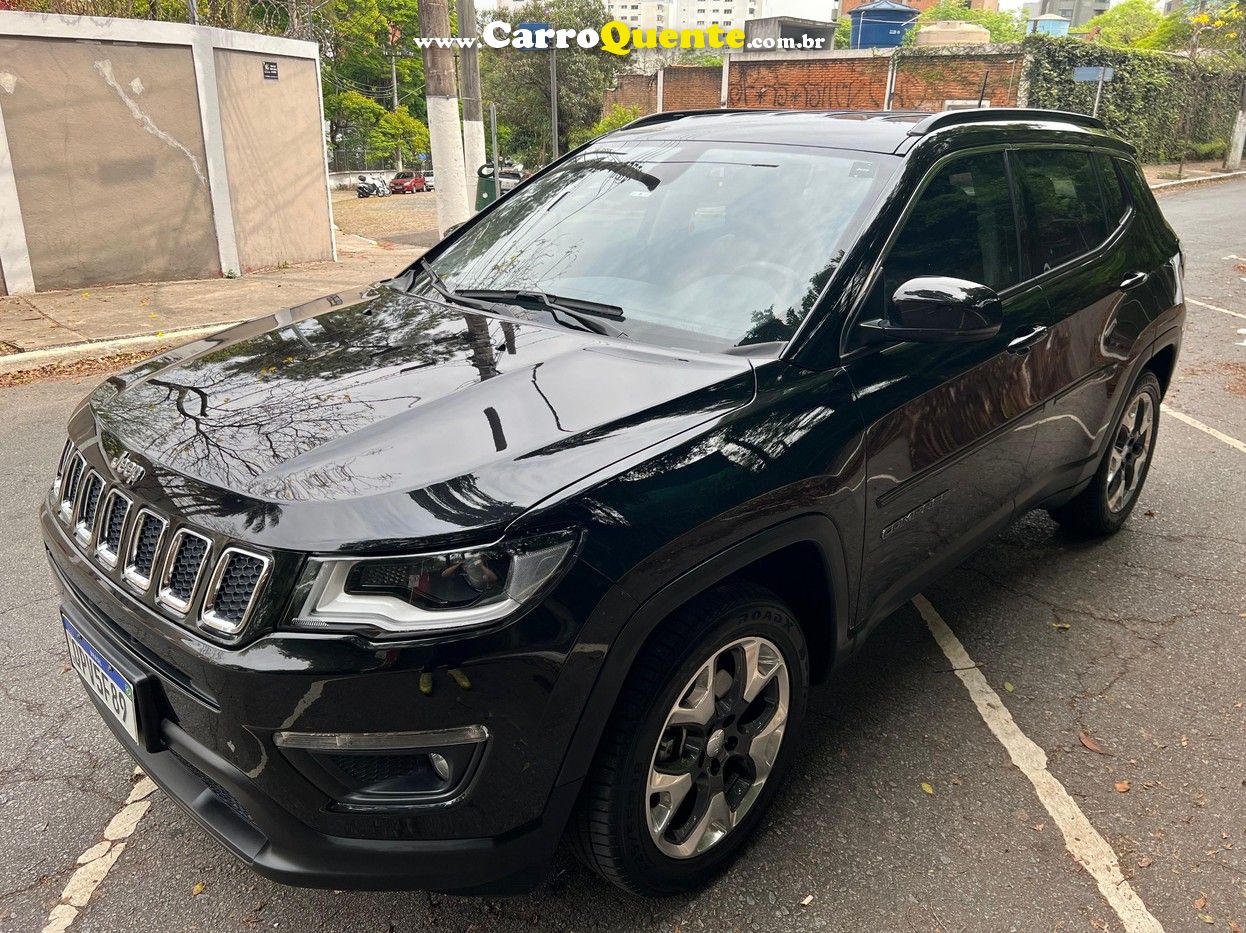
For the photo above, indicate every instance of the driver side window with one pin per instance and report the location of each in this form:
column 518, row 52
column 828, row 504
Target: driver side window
column 962, row 226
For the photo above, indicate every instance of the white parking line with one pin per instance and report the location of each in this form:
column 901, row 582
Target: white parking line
column 1203, row 304
column 1081, row 839
column 1205, row 428
column 95, row 863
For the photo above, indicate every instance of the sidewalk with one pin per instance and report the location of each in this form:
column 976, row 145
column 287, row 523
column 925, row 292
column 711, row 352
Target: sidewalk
column 93, row 322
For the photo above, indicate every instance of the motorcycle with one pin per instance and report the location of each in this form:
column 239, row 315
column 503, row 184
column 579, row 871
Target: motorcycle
column 371, row 188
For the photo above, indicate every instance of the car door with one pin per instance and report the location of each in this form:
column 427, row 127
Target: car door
column 947, row 424
column 1078, row 227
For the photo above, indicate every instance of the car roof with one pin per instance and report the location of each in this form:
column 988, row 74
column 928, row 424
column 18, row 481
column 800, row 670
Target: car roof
column 887, row 131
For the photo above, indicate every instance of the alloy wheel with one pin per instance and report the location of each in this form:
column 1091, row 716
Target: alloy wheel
column 717, row 747
column 1131, row 448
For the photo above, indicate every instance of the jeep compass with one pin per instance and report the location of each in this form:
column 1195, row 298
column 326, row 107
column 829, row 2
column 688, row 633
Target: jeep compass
column 549, row 534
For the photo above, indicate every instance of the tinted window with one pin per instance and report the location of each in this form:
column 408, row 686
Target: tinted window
column 702, row 244
column 962, row 226
column 1115, row 201
column 1064, row 210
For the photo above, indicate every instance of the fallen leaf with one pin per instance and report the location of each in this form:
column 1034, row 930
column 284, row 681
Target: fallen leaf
column 1061, row 626
column 197, row 889
column 1091, row 744
column 1145, row 861
column 1149, row 513
column 1009, row 687
column 1233, row 927
column 1200, row 902
column 1185, row 741
column 929, row 789
column 806, row 900
column 1206, row 919
column 1122, row 787
column 1038, row 827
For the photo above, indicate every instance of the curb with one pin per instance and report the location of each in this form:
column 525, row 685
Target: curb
column 98, row 349
column 1200, row 182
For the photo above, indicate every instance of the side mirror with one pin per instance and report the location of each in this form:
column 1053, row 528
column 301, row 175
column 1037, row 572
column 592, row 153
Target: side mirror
column 935, row 309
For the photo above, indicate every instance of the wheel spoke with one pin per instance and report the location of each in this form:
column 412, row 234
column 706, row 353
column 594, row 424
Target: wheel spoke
column 765, row 746
column 715, row 823
column 761, row 663
column 696, row 706
column 1143, row 427
column 671, row 789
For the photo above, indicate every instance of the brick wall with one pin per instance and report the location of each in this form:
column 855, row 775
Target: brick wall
column 856, row 83
column 846, row 81
column 927, row 83
column 632, row 91
column 696, row 87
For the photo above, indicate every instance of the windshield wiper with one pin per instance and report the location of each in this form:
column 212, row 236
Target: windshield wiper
column 586, row 313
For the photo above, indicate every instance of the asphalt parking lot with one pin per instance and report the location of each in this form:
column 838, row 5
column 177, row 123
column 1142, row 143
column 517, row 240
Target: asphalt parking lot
column 1084, row 769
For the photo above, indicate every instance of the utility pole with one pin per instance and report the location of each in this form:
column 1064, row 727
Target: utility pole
column 444, row 129
column 393, row 77
column 553, row 96
column 473, row 117
column 1233, row 155
column 497, row 162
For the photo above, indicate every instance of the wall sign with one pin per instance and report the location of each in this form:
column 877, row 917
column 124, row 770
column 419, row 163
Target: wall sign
column 270, row 71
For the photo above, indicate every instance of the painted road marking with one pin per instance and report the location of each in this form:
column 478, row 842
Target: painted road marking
column 1082, row 840
column 1205, row 428
column 95, row 863
column 1203, row 304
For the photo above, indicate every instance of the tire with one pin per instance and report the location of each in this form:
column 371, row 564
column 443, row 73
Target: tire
column 632, row 836
column 1104, row 506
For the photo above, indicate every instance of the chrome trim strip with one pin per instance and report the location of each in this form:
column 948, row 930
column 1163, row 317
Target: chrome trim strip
column 207, row 615
column 103, row 553
column 130, row 575
column 381, row 741
column 60, row 466
column 84, row 534
column 164, row 596
column 65, row 508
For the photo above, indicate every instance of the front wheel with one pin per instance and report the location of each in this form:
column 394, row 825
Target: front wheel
column 697, row 745
column 1105, row 505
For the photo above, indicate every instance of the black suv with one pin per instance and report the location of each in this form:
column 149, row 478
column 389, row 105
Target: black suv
column 550, row 533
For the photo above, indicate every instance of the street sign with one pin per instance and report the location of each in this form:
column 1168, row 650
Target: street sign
column 1093, row 73
column 529, row 38
column 270, row 71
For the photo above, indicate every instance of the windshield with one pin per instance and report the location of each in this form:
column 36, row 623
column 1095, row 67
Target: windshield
column 404, row 175
column 703, row 245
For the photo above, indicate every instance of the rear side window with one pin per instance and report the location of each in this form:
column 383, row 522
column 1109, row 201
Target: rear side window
column 1115, row 201
column 962, row 226
column 1064, row 209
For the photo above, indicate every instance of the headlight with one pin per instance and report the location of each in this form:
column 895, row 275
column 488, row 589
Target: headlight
column 428, row 593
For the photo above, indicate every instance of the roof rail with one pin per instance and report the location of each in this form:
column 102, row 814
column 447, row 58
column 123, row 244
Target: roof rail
column 939, row 121
column 667, row 116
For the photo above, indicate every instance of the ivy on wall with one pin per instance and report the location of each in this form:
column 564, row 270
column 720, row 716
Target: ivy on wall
column 1164, row 104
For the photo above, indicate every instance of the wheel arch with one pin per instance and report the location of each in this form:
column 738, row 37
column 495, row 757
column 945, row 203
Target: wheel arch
column 778, row 558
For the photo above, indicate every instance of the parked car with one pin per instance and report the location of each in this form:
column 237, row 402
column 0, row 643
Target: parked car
column 393, row 589
column 407, row 183
column 429, row 181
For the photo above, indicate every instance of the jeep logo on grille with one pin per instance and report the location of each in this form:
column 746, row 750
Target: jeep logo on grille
column 126, row 469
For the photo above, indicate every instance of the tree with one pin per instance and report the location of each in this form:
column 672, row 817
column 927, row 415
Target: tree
column 1124, row 24
column 353, row 118
column 398, row 130
column 518, row 81
column 1003, row 26
column 618, row 116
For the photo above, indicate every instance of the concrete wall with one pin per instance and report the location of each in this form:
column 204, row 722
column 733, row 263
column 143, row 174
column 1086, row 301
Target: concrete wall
column 109, row 162
column 274, row 153
column 137, row 151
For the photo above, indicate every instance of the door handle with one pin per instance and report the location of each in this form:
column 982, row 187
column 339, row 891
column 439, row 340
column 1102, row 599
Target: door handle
column 1134, row 280
column 1025, row 338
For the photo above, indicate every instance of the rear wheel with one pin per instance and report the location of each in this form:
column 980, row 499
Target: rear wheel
column 1105, row 505
column 697, row 744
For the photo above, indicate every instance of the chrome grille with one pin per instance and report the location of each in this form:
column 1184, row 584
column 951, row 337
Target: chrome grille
column 233, row 589
column 92, row 489
column 187, row 555
column 136, row 545
column 116, row 510
column 144, row 544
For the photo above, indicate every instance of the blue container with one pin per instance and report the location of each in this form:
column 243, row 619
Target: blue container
column 881, row 25
column 1049, row 24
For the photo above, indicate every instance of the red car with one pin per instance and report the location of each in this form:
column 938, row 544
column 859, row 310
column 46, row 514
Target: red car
column 407, row 183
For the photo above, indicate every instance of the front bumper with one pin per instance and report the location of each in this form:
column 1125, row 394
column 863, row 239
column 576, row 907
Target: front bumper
column 208, row 717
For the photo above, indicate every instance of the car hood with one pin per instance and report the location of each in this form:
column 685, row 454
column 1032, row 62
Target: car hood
column 383, row 415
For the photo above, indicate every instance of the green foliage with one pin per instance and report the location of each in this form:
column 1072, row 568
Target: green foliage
column 518, row 81
column 1125, row 23
column 843, row 33
column 1161, row 103
column 1171, row 33
column 1003, row 26
column 1213, row 149
column 398, row 130
column 618, row 116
